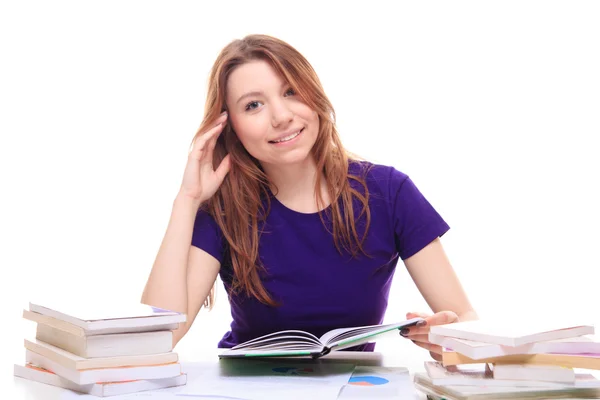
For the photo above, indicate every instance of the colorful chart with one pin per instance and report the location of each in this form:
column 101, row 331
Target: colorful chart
column 367, row 380
column 293, row 371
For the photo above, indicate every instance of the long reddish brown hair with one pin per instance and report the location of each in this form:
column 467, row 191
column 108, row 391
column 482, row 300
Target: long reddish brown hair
column 238, row 205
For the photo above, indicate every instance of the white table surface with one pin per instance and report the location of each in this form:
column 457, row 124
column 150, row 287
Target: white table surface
column 24, row 389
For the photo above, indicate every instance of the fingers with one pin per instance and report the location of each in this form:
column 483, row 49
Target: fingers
column 418, row 338
column 412, row 315
column 436, row 356
column 224, row 167
column 441, row 318
column 422, row 340
column 205, row 143
column 212, row 142
column 419, row 335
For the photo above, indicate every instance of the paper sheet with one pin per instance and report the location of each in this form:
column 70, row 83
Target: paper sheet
column 371, row 382
column 266, row 379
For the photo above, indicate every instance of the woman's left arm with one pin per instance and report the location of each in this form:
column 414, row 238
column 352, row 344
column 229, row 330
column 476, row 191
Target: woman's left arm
column 435, row 278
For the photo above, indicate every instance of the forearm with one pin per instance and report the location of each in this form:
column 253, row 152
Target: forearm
column 470, row 315
column 167, row 284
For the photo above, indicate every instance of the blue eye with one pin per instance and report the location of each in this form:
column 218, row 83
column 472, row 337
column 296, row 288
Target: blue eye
column 252, row 105
column 290, row 92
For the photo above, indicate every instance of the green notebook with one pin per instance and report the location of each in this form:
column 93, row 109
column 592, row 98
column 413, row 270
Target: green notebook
column 294, row 343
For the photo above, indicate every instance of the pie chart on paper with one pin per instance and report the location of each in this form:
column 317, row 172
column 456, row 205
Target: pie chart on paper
column 367, row 380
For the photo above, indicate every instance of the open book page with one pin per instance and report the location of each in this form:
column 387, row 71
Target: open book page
column 284, row 343
column 291, row 339
column 299, row 343
column 348, row 337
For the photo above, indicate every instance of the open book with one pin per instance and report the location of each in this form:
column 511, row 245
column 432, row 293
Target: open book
column 295, row 343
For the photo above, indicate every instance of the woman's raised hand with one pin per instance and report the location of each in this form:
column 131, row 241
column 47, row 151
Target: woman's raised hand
column 200, row 179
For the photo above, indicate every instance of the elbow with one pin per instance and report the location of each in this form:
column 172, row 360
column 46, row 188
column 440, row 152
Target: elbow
column 179, row 333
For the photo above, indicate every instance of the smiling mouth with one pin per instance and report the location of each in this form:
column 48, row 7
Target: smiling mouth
column 287, row 138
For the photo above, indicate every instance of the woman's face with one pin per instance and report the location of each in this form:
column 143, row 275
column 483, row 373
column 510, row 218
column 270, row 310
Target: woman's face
column 271, row 121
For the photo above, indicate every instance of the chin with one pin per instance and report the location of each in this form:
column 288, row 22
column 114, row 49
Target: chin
column 292, row 158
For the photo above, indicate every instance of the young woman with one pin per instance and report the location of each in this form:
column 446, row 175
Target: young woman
column 304, row 235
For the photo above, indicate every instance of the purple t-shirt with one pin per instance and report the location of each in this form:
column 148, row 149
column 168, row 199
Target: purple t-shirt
column 318, row 288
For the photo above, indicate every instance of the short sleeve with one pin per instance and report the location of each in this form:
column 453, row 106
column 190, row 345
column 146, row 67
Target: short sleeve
column 207, row 235
column 416, row 222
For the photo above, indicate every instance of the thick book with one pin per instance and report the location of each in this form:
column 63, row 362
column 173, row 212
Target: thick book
column 87, row 376
column 584, row 361
column 110, row 345
column 136, row 317
column 544, row 373
column 479, row 350
column 72, row 361
column 79, row 331
column 511, row 333
column 424, row 384
column 101, row 389
column 484, row 375
column 295, row 343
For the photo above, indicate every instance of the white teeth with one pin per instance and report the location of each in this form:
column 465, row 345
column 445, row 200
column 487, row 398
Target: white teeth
column 285, row 139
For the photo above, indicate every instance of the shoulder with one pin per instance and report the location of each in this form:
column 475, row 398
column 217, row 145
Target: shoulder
column 379, row 178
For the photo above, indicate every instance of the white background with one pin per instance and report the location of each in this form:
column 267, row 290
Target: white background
column 491, row 108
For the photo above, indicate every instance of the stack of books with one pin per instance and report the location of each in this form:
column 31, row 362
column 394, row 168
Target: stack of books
column 484, row 360
column 118, row 352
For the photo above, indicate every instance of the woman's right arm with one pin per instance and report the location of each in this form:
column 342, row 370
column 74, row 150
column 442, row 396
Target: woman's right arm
column 182, row 274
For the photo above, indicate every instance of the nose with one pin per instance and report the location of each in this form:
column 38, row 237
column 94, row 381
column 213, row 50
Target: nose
column 281, row 114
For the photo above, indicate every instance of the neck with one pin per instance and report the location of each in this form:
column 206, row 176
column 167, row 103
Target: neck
column 294, row 185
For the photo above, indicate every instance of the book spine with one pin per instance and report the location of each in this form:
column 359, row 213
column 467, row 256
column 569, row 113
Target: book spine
column 326, row 350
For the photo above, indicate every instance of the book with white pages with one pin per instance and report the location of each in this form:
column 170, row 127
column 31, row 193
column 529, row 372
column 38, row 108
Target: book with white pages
column 512, row 333
column 119, row 319
column 108, row 345
column 525, row 372
column 87, row 376
column 480, row 350
column 480, row 375
column 75, row 330
column 296, row 343
column 75, row 362
column 483, row 375
column 102, row 389
column 423, row 384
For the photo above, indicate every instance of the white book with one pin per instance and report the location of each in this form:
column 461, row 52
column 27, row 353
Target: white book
column 111, row 345
column 480, row 375
column 72, row 361
column 481, row 392
column 37, row 374
column 79, row 331
column 84, row 377
column 479, row 350
column 472, row 375
column 96, row 318
column 525, row 372
column 511, row 333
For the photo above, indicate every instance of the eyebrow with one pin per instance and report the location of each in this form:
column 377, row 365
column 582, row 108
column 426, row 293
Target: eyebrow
column 256, row 93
